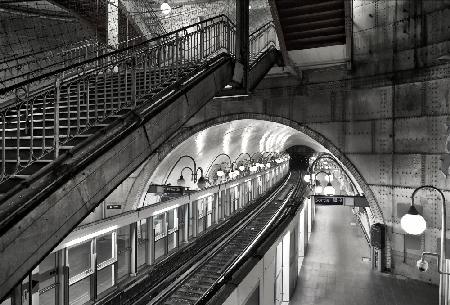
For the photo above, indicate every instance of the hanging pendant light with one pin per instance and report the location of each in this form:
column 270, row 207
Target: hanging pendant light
column 412, row 222
column 201, row 182
column 165, row 8
column 181, row 181
column 318, row 188
column 329, row 190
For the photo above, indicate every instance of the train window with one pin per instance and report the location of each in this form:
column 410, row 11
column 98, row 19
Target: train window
column 80, row 270
column 105, row 278
column 79, row 292
column 105, row 248
column 79, row 257
column 106, row 257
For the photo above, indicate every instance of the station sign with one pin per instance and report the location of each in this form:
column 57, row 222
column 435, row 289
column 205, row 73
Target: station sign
column 329, row 200
column 113, row 206
column 353, row 201
column 166, row 189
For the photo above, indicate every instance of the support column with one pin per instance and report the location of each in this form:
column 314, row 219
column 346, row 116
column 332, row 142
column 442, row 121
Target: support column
column 62, row 289
column 133, row 252
column 242, row 43
column 150, row 253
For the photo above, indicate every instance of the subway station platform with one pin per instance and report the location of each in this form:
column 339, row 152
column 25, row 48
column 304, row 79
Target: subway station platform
column 337, row 271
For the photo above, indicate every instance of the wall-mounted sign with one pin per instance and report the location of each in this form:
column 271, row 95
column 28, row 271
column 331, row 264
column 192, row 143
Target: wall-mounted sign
column 113, row 206
column 329, row 200
column 165, row 189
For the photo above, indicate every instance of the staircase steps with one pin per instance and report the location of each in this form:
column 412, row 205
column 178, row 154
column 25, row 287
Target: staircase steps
column 80, row 116
column 310, row 24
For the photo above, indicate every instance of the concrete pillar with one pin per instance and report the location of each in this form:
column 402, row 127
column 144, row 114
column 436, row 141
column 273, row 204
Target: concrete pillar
column 150, row 253
column 242, row 43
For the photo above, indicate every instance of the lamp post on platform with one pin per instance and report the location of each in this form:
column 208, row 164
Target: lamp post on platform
column 414, row 223
column 201, row 182
column 311, row 176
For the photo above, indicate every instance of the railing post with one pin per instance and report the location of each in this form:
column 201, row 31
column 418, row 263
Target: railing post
column 133, row 252
column 56, row 116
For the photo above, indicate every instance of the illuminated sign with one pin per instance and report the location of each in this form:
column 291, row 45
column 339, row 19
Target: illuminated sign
column 332, row 200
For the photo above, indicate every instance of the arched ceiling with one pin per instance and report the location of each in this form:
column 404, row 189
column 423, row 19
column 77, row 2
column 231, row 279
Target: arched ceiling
column 235, row 137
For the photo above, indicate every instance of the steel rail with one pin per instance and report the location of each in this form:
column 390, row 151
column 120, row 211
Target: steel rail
column 201, row 257
column 287, row 190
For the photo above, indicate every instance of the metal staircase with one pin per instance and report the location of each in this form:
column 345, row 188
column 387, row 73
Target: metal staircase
column 42, row 128
column 307, row 24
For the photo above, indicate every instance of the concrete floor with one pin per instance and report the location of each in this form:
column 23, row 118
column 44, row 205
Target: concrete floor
column 334, row 272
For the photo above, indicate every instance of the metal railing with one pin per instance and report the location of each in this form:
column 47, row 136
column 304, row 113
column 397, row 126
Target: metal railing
column 261, row 40
column 40, row 125
column 21, row 68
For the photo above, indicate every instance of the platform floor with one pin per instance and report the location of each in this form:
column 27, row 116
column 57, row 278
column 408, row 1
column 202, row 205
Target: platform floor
column 335, row 273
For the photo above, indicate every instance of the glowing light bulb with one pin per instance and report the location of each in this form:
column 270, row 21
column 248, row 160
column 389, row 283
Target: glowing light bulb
column 412, row 222
column 165, row 8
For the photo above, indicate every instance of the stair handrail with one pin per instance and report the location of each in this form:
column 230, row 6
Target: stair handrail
column 48, row 119
column 262, row 39
column 54, row 118
column 122, row 51
column 34, row 58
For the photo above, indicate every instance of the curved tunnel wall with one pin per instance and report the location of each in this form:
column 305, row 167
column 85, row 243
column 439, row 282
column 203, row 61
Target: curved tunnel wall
column 389, row 149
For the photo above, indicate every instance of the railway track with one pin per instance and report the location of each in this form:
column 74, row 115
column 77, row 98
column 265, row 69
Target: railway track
column 210, row 269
